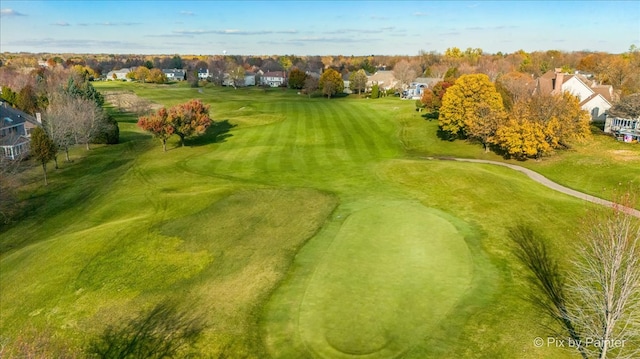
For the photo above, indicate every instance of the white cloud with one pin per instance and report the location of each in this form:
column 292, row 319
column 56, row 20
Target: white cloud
column 10, row 13
column 61, row 23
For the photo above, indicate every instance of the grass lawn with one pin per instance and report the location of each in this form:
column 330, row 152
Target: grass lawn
column 295, row 228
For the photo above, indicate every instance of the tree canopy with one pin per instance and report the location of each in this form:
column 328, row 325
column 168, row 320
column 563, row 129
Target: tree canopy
column 42, row 149
column 331, row 83
column 462, row 104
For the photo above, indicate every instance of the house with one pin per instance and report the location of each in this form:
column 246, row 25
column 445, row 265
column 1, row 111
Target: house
column 346, row 82
column 417, row 87
column 175, row 74
column 249, row 79
column 385, row 80
column 625, row 129
column 595, row 99
column 15, row 132
column 118, row 75
column 273, row 78
column 203, row 74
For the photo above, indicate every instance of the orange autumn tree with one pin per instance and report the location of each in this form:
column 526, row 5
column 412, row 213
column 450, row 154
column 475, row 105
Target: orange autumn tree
column 158, row 125
column 185, row 120
column 189, row 119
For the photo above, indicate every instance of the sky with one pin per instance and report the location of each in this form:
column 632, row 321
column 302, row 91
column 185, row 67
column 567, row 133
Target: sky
column 315, row 27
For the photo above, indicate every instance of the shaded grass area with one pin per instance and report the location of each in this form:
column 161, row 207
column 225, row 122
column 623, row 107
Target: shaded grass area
column 283, row 187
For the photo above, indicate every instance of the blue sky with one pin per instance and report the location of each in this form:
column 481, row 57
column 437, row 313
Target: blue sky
column 316, row 27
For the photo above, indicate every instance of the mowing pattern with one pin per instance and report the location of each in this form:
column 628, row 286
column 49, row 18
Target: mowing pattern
column 316, row 141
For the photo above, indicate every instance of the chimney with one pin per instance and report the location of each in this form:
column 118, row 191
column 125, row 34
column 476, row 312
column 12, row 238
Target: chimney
column 557, row 86
column 39, row 117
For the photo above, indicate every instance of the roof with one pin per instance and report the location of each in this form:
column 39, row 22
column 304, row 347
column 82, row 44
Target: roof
column 274, row 74
column 179, row 72
column 13, row 140
column 383, row 77
column 10, row 116
column 604, row 90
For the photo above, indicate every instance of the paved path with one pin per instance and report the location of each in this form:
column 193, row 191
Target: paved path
column 546, row 182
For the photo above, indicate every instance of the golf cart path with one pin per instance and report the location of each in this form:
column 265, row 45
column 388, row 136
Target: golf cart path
column 546, row 182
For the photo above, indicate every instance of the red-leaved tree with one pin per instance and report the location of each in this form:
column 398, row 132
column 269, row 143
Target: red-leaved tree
column 158, row 125
column 189, row 119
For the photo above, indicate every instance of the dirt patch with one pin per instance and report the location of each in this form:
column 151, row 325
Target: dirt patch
column 625, row 155
column 130, row 102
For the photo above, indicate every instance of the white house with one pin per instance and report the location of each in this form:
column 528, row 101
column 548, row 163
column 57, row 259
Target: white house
column 596, row 99
column 175, row 74
column 273, row 78
column 626, row 129
column 203, row 74
column 120, row 75
column 417, row 87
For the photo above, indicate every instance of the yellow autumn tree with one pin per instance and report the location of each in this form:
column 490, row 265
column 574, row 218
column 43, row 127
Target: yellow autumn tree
column 466, row 106
column 541, row 124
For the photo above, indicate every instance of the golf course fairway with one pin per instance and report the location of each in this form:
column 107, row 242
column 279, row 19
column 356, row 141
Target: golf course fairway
column 390, row 273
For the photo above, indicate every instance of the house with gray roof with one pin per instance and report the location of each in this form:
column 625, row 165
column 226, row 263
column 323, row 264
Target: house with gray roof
column 15, row 132
column 175, row 74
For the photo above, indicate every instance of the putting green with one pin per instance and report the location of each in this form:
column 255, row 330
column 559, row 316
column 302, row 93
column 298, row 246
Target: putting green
column 390, row 274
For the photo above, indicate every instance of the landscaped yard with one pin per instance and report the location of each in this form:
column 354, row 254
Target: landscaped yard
column 297, row 228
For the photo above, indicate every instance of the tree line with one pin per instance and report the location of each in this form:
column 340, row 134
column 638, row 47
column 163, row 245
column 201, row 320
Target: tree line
column 619, row 70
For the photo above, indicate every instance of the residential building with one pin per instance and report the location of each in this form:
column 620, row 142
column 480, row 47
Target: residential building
column 595, row 99
column 15, row 132
column 417, row 87
column 175, row 74
column 385, row 80
column 273, row 78
column 625, row 129
column 203, row 74
column 118, row 75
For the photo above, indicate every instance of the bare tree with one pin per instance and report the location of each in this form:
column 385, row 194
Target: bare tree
column 405, row 72
column 58, row 122
column 597, row 301
column 606, row 283
column 310, row 85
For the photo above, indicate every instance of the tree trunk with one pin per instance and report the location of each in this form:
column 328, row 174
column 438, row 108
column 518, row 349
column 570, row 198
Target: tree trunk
column 66, row 153
column 55, row 160
column 181, row 140
column 164, row 145
column 87, row 146
column 44, row 168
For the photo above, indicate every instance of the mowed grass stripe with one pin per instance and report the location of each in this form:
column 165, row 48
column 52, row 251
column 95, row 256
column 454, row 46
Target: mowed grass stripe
column 352, row 126
column 278, row 142
column 291, row 159
column 378, row 140
column 328, row 138
column 309, row 140
column 346, row 121
column 344, row 142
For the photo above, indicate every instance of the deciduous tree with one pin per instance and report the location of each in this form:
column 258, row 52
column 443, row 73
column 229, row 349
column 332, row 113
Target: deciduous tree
column 595, row 300
column 158, row 125
column 358, row 81
column 310, row 85
column 405, row 72
column 462, row 102
column 189, row 119
column 627, row 107
column 42, row 149
column 296, row 78
column 331, row 83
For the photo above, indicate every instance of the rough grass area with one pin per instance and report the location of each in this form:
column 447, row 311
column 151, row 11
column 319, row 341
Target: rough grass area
column 293, row 228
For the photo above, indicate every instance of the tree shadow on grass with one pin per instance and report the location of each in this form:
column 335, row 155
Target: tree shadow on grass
column 218, row 132
column 163, row 332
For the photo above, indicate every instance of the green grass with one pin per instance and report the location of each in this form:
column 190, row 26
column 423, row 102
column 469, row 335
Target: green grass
column 298, row 228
